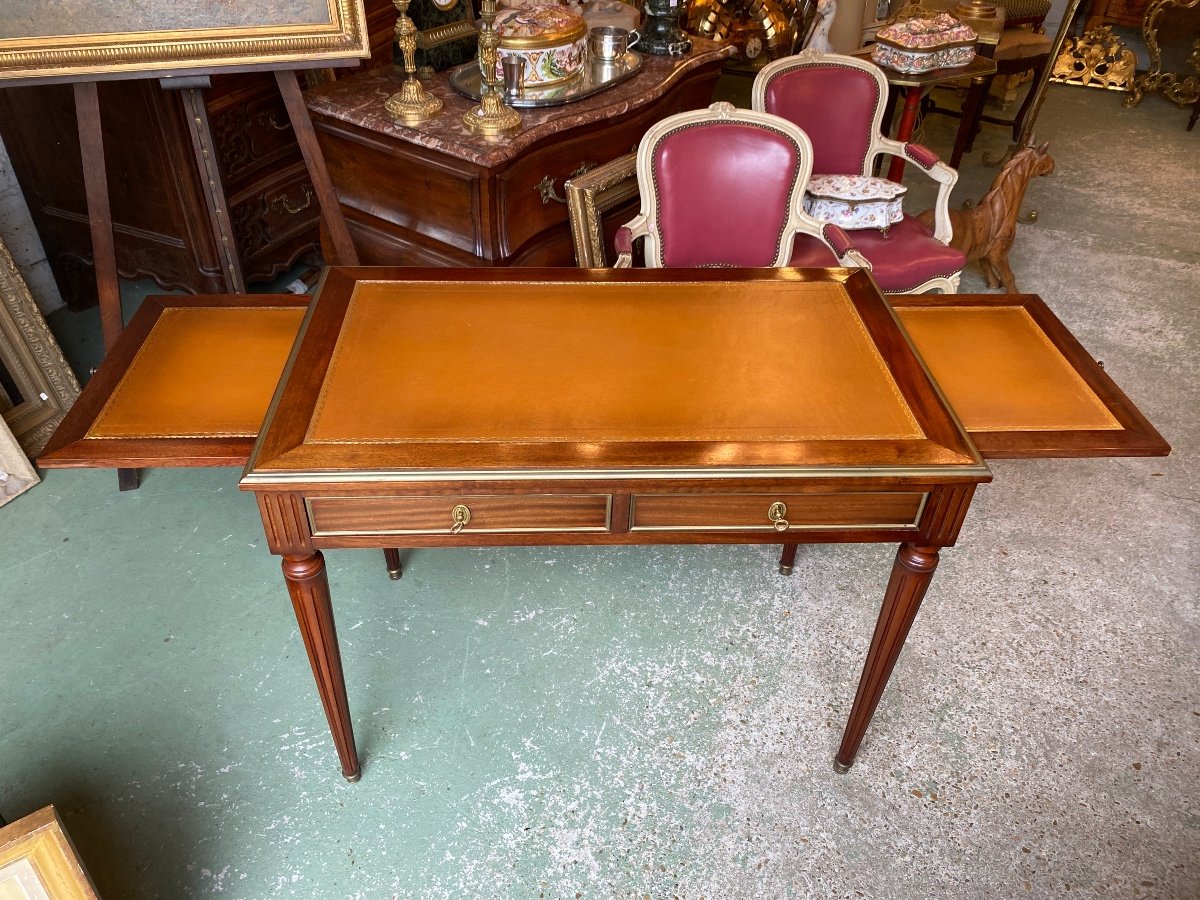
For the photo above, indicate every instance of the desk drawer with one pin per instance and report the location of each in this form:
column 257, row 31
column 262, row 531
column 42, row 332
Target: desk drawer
column 437, row 515
column 759, row 512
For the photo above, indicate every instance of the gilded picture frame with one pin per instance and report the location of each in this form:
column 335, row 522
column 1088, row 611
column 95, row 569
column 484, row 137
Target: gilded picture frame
column 38, row 859
column 37, row 387
column 90, row 39
column 592, row 195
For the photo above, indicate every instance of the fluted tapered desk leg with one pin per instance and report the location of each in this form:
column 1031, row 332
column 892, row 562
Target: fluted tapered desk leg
column 787, row 559
column 911, row 574
column 309, row 588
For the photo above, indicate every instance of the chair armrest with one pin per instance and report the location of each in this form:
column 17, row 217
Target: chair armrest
column 921, row 155
column 624, row 245
column 928, row 162
column 837, row 239
column 833, row 237
column 638, row 226
column 843, row 247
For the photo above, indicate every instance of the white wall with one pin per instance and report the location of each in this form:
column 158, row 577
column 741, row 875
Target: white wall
column 21, row 238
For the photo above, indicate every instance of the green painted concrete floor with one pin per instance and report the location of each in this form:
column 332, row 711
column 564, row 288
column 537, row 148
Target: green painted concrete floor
column 660, row 722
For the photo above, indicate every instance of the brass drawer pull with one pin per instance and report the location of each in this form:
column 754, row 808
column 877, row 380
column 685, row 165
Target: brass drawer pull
column 272, row 119
column 545, row 187
column 776, row 512
column 461, row 515
column 281, row 205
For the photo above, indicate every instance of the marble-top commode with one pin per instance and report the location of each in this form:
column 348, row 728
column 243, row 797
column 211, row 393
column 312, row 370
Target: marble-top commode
column 439, row 194
column 359, row 100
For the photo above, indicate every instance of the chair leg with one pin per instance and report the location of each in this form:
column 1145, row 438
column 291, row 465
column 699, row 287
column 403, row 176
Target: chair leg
column 391, row 556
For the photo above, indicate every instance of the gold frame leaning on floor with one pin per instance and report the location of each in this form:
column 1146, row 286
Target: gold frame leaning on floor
column 34, row 362
column 592, row 194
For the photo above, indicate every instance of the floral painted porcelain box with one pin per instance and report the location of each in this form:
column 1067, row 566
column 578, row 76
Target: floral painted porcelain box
column 855, row 202
column 917, row 45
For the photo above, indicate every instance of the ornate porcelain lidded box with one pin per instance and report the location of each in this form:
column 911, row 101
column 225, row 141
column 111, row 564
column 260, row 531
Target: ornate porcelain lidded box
column 855, row 201
column 917, row 45
column 551, row 39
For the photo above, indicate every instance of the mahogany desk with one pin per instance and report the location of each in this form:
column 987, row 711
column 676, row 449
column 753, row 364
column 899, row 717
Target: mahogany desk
column 434, row 408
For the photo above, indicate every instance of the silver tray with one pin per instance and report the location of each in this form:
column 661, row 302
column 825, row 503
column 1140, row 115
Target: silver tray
column 595, row 77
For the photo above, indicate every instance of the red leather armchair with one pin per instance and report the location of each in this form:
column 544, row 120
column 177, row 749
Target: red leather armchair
column 724, row 187
column 839, row 102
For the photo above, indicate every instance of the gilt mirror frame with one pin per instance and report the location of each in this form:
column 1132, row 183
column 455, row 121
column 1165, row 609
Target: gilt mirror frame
column 94, row 39
column 34, row 364
column 592, row 194
column 1168, row 37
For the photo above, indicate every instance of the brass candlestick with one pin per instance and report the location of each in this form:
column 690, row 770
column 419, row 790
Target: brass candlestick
column 413, row 103
column 492, row 115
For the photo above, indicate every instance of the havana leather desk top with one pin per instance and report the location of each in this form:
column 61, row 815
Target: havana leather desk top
column 430, row 408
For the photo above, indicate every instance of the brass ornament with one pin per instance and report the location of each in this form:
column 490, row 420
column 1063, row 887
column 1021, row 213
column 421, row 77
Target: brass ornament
column 412, row 103
column 1181, row 89
column 778, row 23
column 1098, row 59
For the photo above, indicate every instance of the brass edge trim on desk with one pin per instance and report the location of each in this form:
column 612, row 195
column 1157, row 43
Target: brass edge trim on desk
column 418, row 476
column 831, row 275
column 891, row 526
column 465, row 532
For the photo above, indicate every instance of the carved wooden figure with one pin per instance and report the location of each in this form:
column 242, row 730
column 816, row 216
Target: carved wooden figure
column 985, row 232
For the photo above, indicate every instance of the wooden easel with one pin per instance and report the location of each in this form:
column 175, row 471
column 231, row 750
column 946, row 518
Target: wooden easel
column 95, row 179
